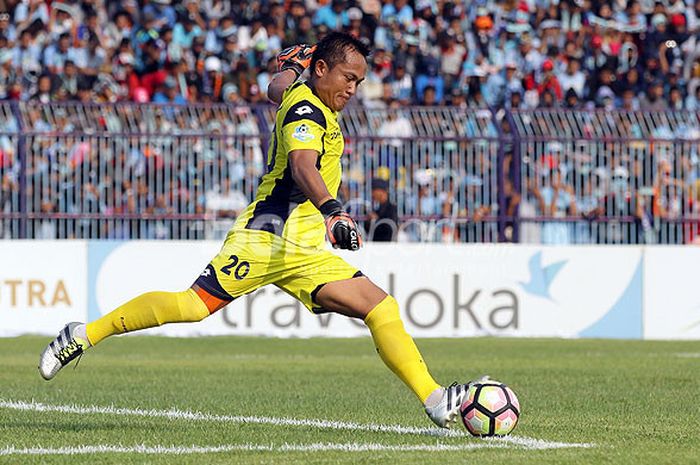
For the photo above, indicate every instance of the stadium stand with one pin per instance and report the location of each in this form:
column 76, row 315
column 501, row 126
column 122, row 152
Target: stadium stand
column 531, row 121
column 525, row 54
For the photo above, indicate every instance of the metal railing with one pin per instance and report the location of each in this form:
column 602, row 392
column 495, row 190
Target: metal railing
column 606, row 177
column 117, row 171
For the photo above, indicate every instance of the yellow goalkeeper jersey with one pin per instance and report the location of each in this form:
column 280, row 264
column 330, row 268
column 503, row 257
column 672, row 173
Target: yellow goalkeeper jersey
column 303, row 122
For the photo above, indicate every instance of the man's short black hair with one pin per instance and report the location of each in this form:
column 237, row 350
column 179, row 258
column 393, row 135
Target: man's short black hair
column 334, row 47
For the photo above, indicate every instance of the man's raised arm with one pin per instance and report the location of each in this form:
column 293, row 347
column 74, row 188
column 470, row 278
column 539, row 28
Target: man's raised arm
column 291, row 63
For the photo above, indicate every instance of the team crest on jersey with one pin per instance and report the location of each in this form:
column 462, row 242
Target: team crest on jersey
column 302, row 133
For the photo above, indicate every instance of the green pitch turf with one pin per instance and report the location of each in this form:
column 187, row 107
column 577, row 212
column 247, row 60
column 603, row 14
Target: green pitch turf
column 635, row 402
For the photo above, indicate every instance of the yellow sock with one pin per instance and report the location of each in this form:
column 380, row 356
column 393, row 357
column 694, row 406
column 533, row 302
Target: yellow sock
column 397, row 349
column 146, row 311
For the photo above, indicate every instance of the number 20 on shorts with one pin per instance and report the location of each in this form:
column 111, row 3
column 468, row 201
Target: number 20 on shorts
column 241, row 269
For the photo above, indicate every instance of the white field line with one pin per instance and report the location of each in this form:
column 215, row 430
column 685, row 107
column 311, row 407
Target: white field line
column 182, row 450
column 687, row 354
column 175, row 414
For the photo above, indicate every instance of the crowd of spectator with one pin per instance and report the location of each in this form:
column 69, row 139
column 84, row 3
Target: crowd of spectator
column 190, row 177
column 508, row 54
column 188, row 171
column 505, row 53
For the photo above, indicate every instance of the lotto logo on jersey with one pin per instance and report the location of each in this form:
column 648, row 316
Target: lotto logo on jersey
column 302, row 133
column 305, row 110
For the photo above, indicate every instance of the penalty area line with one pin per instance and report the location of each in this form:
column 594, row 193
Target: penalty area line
column 185, row 450
column 176, row 414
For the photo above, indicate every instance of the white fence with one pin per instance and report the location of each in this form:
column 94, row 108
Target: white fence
column 464, row 290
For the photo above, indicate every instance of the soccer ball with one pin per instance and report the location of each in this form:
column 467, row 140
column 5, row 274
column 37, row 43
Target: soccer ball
column 490, row 409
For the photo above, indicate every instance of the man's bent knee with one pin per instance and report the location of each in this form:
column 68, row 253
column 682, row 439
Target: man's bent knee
column 355, row 297
column 384, row 312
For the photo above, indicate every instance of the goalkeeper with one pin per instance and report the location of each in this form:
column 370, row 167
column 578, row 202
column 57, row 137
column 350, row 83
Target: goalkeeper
column 279, row 238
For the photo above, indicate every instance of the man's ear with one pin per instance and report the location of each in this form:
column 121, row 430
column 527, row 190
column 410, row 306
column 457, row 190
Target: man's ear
column 320, row 69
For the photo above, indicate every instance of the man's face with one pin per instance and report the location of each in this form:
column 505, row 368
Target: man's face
column 44, row 84
column 429, row 96
column 335, row 86
column 297, row 10
column 627, row 98
column 573, row 66
column 122, row 21
column 379, row 195
column 515, row 100
column 26, row 40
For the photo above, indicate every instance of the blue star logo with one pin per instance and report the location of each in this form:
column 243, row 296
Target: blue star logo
column 541, row 277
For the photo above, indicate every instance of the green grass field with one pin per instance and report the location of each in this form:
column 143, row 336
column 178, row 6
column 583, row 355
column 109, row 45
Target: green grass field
column 632, row 402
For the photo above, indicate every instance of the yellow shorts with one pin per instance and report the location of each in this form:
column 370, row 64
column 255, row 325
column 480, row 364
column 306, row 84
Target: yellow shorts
column 250, row 259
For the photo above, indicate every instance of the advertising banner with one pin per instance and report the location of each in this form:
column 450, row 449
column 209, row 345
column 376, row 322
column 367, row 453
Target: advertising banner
column 443, row 291
column 671, row 294
column 43, row 285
